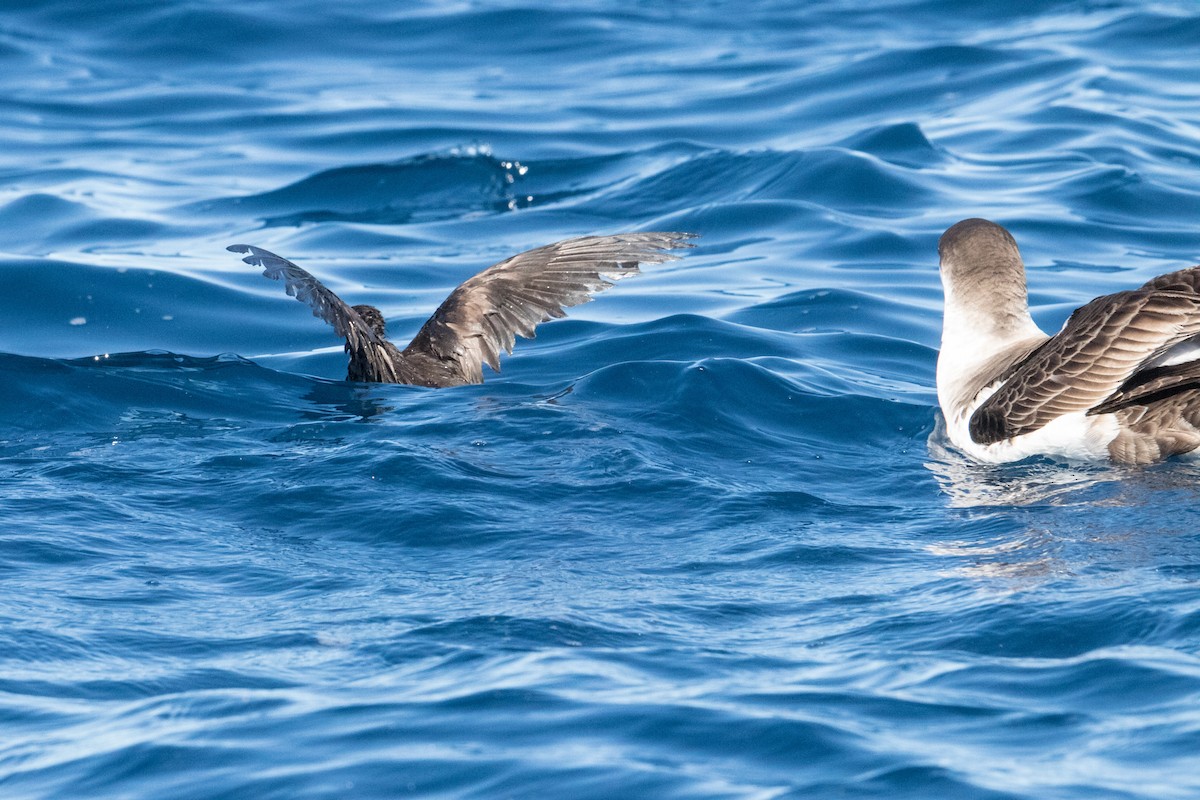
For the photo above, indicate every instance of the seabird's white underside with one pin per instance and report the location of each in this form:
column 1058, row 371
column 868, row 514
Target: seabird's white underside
column 1075, row 437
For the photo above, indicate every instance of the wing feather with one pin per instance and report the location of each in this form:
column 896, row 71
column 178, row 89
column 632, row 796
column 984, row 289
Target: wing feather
column 485, row 313
column 1151, row 385
column 306, row 288
column 1186, row 281
column 1082, row 368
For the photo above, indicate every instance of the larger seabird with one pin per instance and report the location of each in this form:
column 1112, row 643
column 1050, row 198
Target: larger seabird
column 483, row 315
column 1121, row 380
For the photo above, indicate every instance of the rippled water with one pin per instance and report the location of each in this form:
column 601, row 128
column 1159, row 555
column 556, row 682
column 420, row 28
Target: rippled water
column 700, row 539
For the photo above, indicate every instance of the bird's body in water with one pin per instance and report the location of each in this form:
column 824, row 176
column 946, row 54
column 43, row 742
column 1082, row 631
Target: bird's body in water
column 483, row 315
column 1121, row 380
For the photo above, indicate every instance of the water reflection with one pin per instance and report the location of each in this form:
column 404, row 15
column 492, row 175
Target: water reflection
column 970, row 484
column 1039, row 519
column 345, row 400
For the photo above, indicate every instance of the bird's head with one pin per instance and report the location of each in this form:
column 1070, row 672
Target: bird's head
column 374, row 319
column 983, row 275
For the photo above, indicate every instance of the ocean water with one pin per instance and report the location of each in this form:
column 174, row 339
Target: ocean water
column 701, row 539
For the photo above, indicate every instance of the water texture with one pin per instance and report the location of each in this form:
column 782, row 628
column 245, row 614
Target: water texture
column 703, row 538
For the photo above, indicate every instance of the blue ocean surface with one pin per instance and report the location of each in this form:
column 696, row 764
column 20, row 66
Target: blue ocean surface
column 701, row 539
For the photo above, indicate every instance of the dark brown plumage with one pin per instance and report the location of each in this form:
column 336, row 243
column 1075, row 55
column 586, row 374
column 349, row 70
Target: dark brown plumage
column 1104, row 346
column 483, row 315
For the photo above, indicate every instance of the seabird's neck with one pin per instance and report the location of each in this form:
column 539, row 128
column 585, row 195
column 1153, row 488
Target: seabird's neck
column 989, row 322
column 976, row 336
column 986, row 316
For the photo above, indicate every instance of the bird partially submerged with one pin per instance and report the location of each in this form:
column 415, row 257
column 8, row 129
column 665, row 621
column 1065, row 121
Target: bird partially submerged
column 483, row 315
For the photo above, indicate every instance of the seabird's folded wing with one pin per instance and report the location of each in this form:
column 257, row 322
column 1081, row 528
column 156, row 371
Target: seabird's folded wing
column 1102, row 347
column 1152, row 385
column 1186, row 281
